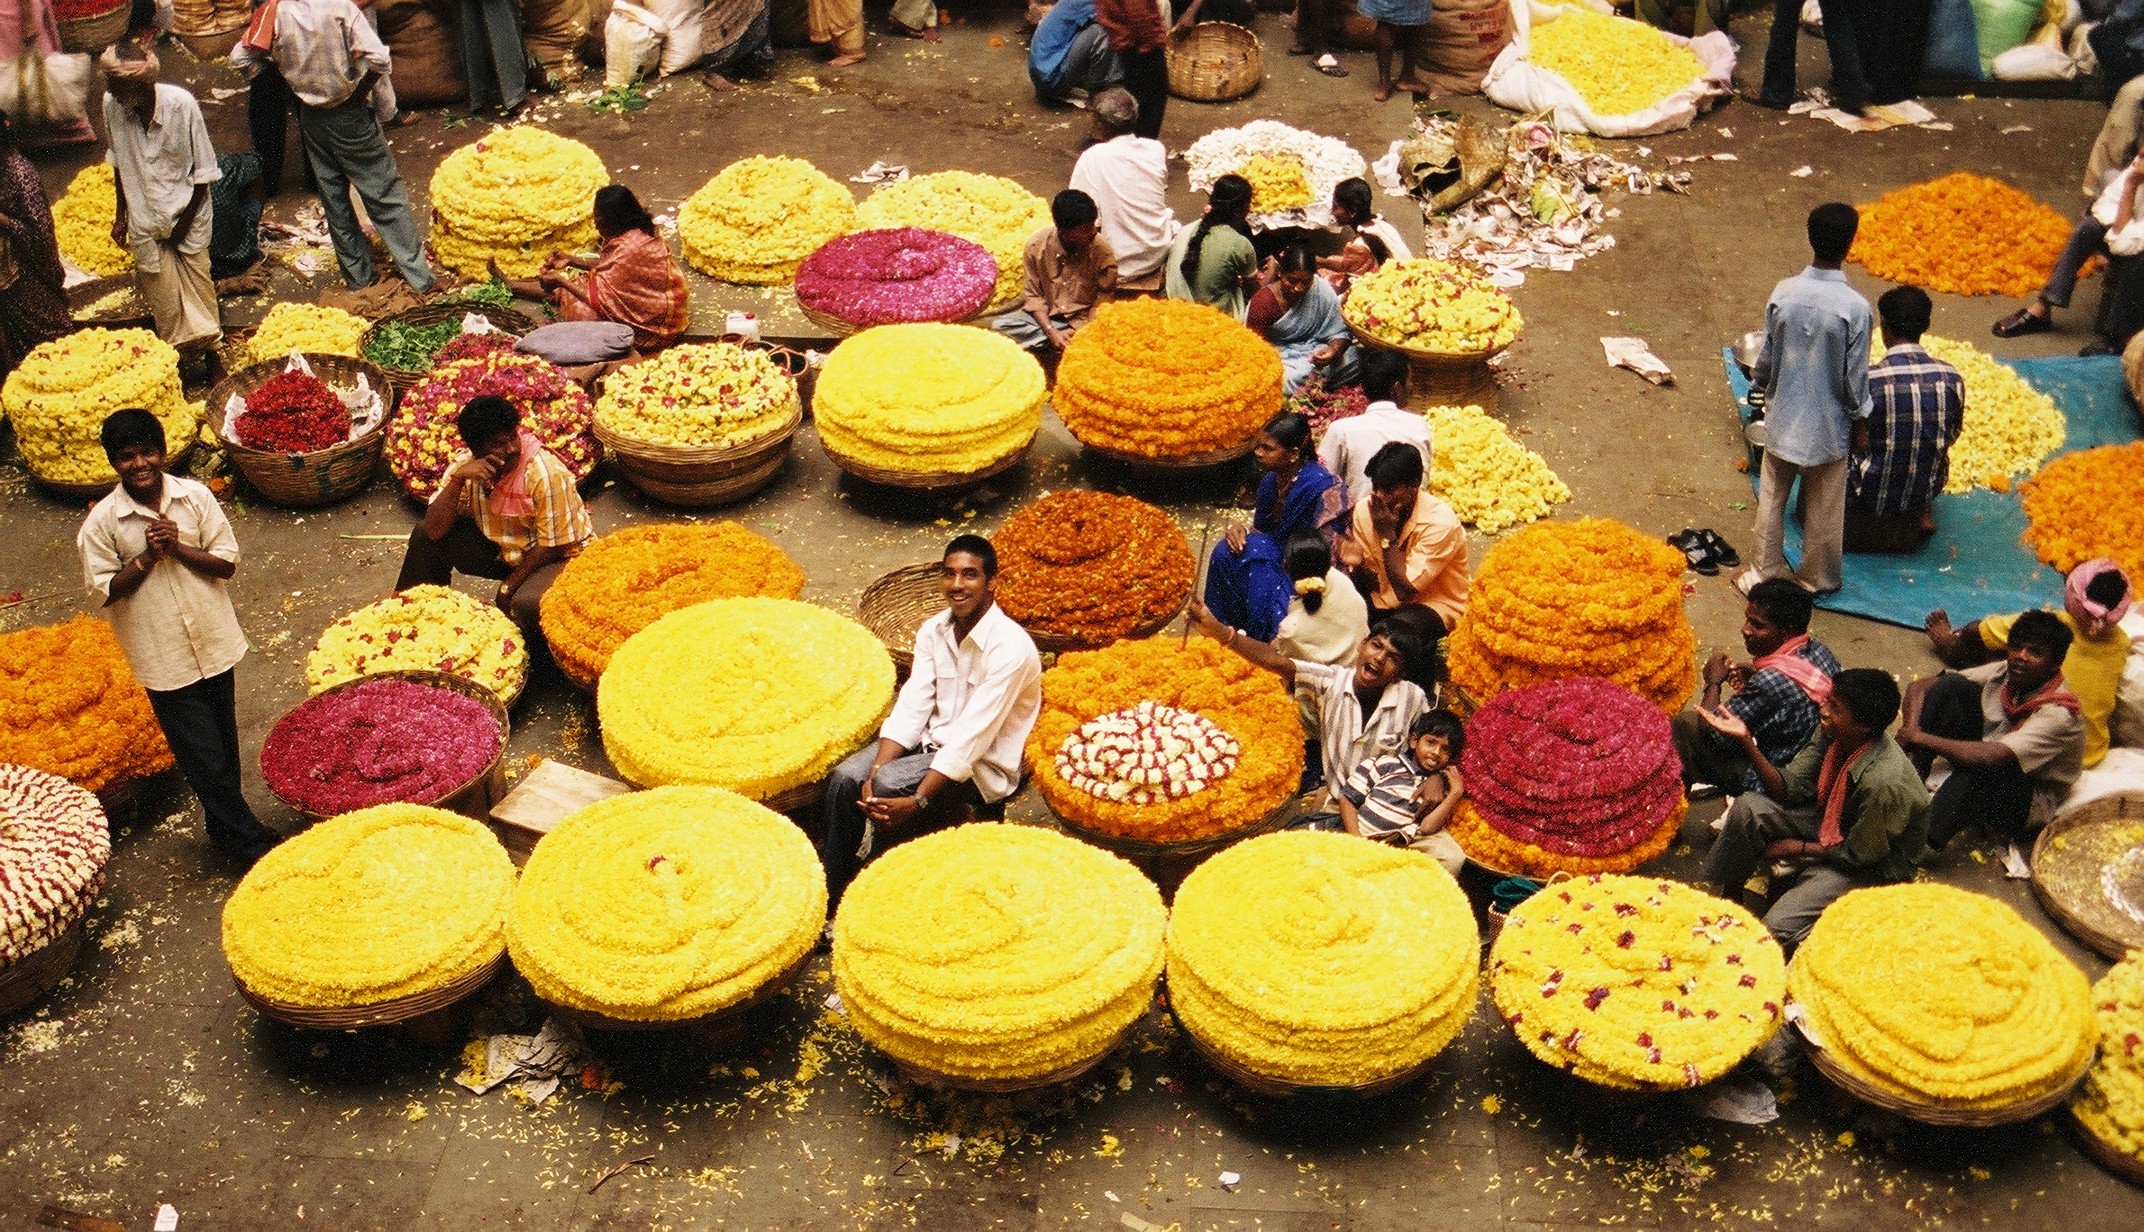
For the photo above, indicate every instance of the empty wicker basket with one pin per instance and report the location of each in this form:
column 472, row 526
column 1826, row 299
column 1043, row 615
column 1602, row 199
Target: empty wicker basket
column 1214, row 61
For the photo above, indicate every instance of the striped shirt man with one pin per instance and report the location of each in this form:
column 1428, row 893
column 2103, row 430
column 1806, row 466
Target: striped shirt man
column 1346, row 736
column 1919, row 410
column 560, row 519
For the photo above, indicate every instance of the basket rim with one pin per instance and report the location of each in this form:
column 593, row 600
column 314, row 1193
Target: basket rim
column 1180, row 462
column 765, row 992
column 1057, row 643
column 921, row 480
column 1139, row 847
column 1450, row 358
column 873, row 604
column 2104, row 1153
column 1269, row 1087
column 377, row 1013
column 923, row 1076
column 2110, row 807
column 236, row 384
column 624, row 445
column 429, row 679
column 1847, row 1074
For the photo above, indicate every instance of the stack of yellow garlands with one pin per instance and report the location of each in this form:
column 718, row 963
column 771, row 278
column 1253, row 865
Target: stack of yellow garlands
column 928, row 399
column 60, row 394
column 759, row 217
column 515, row 196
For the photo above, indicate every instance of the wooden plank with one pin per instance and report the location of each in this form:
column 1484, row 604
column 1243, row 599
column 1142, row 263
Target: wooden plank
column 550, row 793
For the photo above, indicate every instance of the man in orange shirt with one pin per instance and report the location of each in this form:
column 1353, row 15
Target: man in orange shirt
column 1405, row 546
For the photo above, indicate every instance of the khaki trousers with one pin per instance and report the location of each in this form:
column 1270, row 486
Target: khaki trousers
column 1823, row 521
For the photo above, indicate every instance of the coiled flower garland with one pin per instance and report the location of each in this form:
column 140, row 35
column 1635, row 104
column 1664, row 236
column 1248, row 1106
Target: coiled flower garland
column 60, row 394
column 422, row 439
column 54, row 844
column 927, row 399
column 70, row 706
column 1617, row 65
column 516, row 195
column 1166, row 379
column 703, row 395
column 2110, row 1104
column 896, row 276
column 760, row 216
column 378, row 742
column 291, row 326
column 988, row 209
column 82, row 218
column 424, row 628
column 1429, row 304
column 1090, row 566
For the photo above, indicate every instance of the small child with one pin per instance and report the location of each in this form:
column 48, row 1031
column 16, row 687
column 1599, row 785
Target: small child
column 1407, row 798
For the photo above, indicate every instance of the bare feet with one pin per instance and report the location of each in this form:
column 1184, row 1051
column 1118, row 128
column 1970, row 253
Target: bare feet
column 491, row 266
column 1382, row 92
column 854, row 57
column 718, row 83
column 1412, row 86
column 929, row 36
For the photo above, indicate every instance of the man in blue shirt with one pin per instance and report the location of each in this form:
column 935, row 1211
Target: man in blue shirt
column 1814, row 369
column 1070, row 56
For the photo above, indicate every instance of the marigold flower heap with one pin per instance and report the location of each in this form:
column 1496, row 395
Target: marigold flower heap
column 1589, row 597
column 665, row 905
column 60, row 394
column 372, row 906
column 1573, row 776
column 1430, row 304
column 424, row 628
column 928, row 399
column 292, row 412
column 82, row 218
column 754, row 695
column 2080, row 506
column 1637, row 983
column 896, row 276
column 1292, row 171
column 758, row 217
column 515, row 196
column 1942, row 996
column 2110, row 1103
column 1619, row 66
column 54, row 843
column 1964, row 233
column 1489, row 479
column 997, row 953
column 2009, row 427
column 988, row 209
column 623, row 581
column 1322, row 960
column 702, row 396
column 291, row 326
column 1246, row 703
column 378, row 742
column 70, row 706
column 422, row 439
column 1090, row 566
column 1166, row 378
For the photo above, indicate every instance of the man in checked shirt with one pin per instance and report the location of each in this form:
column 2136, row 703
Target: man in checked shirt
column 1896, row 469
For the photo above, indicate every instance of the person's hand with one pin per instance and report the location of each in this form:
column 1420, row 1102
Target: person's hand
column 1058, row 338
column 1205, row 622
column 482, row 470
column 556, row 261
column 1326, row 354
column 892, row 812
column 1860, row 436
column 1724, row 722
column 1738, row 676
column 1940, row 632
column 1785, row 848
column 1235, row 537
column 2136, row 165
column 1717, row 669
column 504, row 600
column 1348, row 555
column 119, row 232
column 1385, row 523
column 163, row 535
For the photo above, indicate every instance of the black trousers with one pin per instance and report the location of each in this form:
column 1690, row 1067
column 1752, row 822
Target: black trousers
column 1146, row 75
column 434, row 562
column 1998, row 798
column 270, row 107
column 201, row 723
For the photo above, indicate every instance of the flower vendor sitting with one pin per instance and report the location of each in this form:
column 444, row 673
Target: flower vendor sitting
column 507, row 510
column 1069, row 266
column 632, row 280
column 163, row 165
column 2002, row 743
column 957, row 728
column 1128, row 177
column 1069, row 58
column 1214, row 263
column 1405, row 546
column 2095, row 597
column 1368, row 240
column 1327, row 617
column 1899, row 464
column 157, row 552
column 1776, row 694
column 1299, row 313
column 1405, row 798
column 1816, row 328
column 1850, row 809
column 1350, row 443
column 2112, row 227
column 1246, row 585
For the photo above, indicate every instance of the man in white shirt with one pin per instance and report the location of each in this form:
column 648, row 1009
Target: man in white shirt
column 1128, row 177
column 957, row 729
column 1350, row 443
column 157, row 552
column 162, row 165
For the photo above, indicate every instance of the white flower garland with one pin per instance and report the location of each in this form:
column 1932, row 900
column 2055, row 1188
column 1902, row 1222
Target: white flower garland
column 1146, row 753
column 54, row 843
column 1326, row 161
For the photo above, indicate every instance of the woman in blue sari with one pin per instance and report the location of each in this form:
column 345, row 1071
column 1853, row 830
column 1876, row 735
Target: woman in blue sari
column 1247, row 584
column 1299, row 313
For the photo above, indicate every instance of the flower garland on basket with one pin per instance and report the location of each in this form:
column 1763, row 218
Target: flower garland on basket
column 422, row 439
column 378, row 742
column 2009, row 427
column 1292, row 172
column 624, row 581
column 1943, row 996
column 372, row 906
column 305, row 328
column 988, row 209
column 1573, row 776
column 1617, row 65
column 1091, row 567
column 665, row 905
column 1430, row 304
column 703, row 395
column 2110, row 1103
column 424, row 628
column 1245, row 704
column 1637, row 983
column 54, row 844
column 1321, row 960
column 898, row 276
column 82, row 219
column 292, row 412
column 1588, row 597
column 997, row 953
column 1166, row 379
column 70, row 706
column 2080, row 506
column 1963, row 233
column 515, row 196
column 60, row 394
column 760, row 216
column 1490, row 480
column 928, row 399
column 755, row 695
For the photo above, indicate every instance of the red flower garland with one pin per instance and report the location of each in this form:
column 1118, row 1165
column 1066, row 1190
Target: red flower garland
column 898, row 274
column 293, row 413
column 378, row 742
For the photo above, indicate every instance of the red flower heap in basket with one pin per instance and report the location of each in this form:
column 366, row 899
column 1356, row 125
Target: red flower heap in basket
column 294, row 412
column 378, row 742
column 421, row 439
column 1576, row 776
column 897, row 275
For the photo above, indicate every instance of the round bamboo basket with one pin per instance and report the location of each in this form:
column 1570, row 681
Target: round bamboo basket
column 71, row 490
column 1214, row 62
column 1168, row 863
column 2107, row 1155
column 1444, row 378
column 802, row 796
column 121, row 800
column 1181, row 462
column 1849, row 1077
column 33, row 975
column 90, row 35
column 1266, row 1087
column 324, row 476
column 720, row 1029
column 472, row 797
column 133, row 313
column 2088, row 913
column 1057, row 643
column 896, row 605
column 379, row 1013
column 917, row 1075
column 504, row 319
column 696, row 477
column 926, row 481
column 213, row 45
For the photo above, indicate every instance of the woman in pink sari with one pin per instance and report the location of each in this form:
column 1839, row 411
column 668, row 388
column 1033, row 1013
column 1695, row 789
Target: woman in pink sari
column 632, row 280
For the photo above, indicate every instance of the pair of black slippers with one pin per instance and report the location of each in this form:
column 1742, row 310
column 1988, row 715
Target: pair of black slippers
column 1704, row 551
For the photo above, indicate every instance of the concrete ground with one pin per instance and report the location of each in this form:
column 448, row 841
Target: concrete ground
column 145, row 1079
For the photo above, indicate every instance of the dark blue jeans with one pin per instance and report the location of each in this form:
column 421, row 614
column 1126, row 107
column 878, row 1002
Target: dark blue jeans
column 1849, row 88
column 201, row 723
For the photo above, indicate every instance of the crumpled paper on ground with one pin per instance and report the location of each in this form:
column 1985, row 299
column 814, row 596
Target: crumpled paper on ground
column 1632, row 353
column 1739, row 1099
column 1876, row 118
column 534, row 1064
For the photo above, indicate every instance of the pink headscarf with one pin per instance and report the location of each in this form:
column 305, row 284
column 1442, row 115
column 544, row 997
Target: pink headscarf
column 2094, row 618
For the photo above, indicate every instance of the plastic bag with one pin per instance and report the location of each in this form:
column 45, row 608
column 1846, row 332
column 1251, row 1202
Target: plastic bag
column 1522, row 86
column 681, row 46
column 632, row 45
column 2035, row 61
column 367, row 408
column 42, row 93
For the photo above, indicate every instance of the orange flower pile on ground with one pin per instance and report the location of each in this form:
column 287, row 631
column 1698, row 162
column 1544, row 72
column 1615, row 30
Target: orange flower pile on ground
column 1590, row 597
column 2079, row 506
column 1090, row 566
column 69, row 705
column 1963, row 233
column 1166, row 379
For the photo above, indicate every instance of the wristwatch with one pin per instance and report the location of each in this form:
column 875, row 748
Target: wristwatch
column 923, row 802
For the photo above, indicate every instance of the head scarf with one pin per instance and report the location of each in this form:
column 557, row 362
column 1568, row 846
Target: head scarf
column 2092, row 617
column 510, row 492
column 142, row 72
column 1814, row 680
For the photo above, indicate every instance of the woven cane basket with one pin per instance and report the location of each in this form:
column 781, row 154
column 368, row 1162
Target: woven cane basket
column 694, row 478
column 1213, row 62
column 324, row 476
column 90, row 35
column 896, row 605
column 717, row 1029
column 380, row 1013
column 472, row 797
column 506, row 320
column 33, row 975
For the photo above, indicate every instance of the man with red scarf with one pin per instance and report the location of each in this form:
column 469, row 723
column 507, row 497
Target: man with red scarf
column 2003, row 742
column 1849, row 811
column 1776, row 694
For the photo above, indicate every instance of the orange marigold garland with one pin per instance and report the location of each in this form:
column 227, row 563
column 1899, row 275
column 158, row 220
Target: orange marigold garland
column 1166, row 379
column 69, row 705
column 2079, row 506
column 1590, row 597
column 1245, row 702
column 624, row 581
column 1963, row 233
column 1090, row 566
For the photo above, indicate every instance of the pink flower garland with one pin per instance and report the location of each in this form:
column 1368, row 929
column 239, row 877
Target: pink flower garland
column 378, row 742
column 898, row 275
column 1578, row 766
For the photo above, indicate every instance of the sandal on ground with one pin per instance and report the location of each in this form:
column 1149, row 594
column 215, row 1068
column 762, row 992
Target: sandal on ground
column 1694, row 553
column 1329, row 66
column 2022, row 322
column 1295, row 49
column 1721, row 550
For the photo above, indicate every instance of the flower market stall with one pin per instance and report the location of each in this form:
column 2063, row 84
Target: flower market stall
column 60, row 394
column 759, row 217
column 928, row 406
column 54, row 844
column 514, row 197
column 700, row 424
column 895, row 276
column 1447, row 319
column 304, row 429
column 70, row 706
column 1167, row 383
column 1292, row 171
column 2010, row 427
column 1079, row 570
column 422, row 440
column 989, row 210
column 424, row 628
column 401, row 737
column 409, row 345
column 2109, row 1104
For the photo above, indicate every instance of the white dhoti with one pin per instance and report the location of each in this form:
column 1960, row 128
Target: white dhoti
column 180, row 294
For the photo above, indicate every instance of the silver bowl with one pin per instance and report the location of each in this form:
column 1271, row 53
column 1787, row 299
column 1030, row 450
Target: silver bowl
column 1745, row 351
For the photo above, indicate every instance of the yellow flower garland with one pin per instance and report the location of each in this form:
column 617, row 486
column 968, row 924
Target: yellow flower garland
column 928, row 398
column 997, row 952
column 1321, row 959
column 305, row 327
column 701, row 396
column 424, row 628
column 514, row 195
column 60, row 394
column 1278, row 182
column 1489, row 479
column 664, row 905
column 987, row 209
column 759, row 217
column 83, row 218
column 1432, row 305
column 1943, row 995
column 2110, row 1104
column 755, row 695
column 1166, row 379
column 371, row 906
